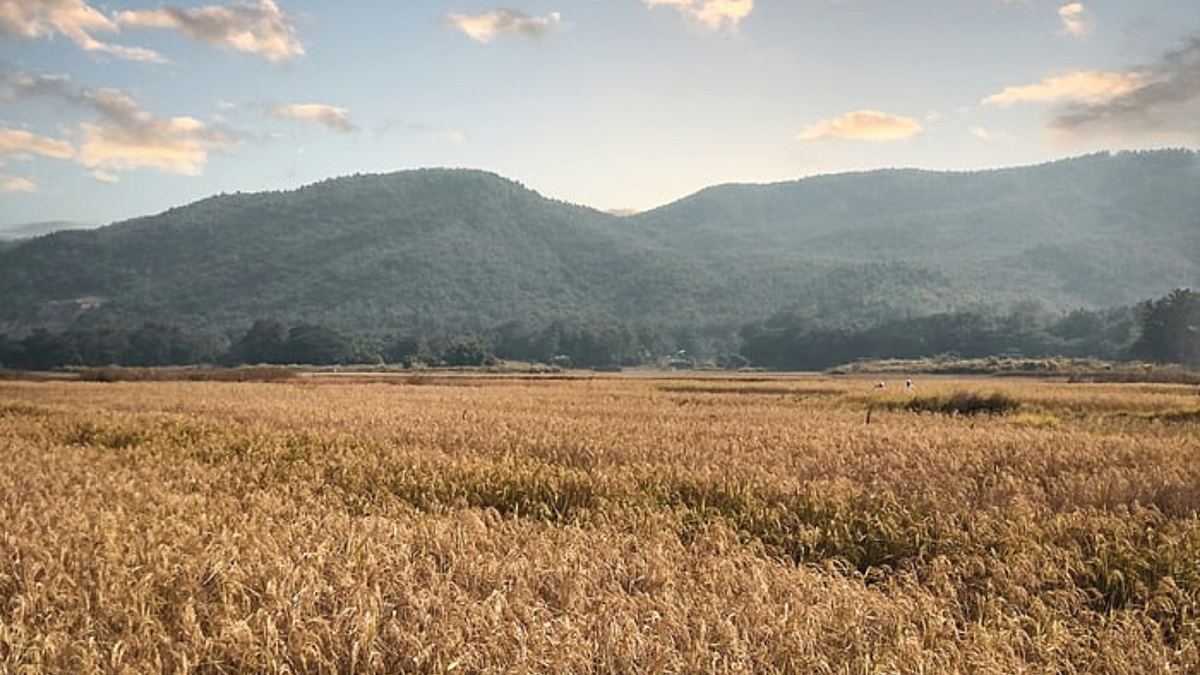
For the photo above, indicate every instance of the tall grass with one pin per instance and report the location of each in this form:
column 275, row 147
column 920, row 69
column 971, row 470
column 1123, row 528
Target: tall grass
column 610, row 525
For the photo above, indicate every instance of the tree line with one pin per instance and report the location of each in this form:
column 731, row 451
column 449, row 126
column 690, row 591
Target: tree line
column 1164, row 330
column 1161, row 331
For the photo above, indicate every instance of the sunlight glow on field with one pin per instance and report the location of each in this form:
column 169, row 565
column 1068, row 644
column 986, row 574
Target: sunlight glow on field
column 608, row 524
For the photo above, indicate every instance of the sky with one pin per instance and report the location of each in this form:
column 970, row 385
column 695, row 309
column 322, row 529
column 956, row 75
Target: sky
column 115, row 110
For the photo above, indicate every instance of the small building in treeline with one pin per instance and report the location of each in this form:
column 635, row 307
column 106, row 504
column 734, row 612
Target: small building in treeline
column 680, row 360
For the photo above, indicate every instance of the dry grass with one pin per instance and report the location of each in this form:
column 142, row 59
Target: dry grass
column 595, row 525
column 1074, row 369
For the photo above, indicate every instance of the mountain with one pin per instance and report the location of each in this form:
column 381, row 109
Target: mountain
column 29, row 230
column 431, row 248
column 461, row 250
column 1092, row 231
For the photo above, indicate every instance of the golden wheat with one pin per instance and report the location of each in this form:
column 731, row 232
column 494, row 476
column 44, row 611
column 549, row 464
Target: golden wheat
column 596, row 525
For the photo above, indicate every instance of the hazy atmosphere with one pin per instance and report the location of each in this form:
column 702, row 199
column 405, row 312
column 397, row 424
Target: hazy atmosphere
column 115, row 110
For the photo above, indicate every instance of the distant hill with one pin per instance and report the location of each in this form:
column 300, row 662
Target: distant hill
column 29, row 230
column 463, row 250
column 1092, row 231
column 431, row 248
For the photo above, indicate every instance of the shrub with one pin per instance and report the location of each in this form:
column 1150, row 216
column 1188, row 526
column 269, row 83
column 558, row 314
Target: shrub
column 965, row 403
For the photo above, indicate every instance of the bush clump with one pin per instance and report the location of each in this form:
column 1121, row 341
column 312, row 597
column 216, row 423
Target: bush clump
column 965, row 403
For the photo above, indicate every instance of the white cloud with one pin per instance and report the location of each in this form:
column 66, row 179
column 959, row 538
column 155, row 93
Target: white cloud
column 11, row 184
column 316, row 113
column 981, row 133
column 104, row 176
column 260, row 29
column 1086, row 86
column 121, row 136
column 74, row 19
column 710, row 14
column 486, row 26
column 20, row 144
column 1075, row 20
column 127, row 137
column 862, row 125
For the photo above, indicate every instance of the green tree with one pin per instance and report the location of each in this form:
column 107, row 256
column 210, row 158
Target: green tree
column 406, row 349
column 100, row 346
column 1169, row 329
column 155, row 344
column 317, row 345
column 262, row 343
column 44, row 351
column 466, row 351
column 12, row 353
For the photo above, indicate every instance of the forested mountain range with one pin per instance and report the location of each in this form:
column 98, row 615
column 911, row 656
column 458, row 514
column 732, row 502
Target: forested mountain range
column 1099, row 230
column 461, row 250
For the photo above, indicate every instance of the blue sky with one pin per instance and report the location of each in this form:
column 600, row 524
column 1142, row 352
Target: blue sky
column 114, row 110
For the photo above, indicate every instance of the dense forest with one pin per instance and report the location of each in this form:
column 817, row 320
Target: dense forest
column 444, row 265
column 1162, row 330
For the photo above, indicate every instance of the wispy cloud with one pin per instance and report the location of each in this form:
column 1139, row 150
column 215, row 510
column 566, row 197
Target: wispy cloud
column 1075, row 20
column 10, row 184
column 486, row 26
column 260, row 29
column 862, row 125
column 1165, row 102
column 74, row 19
column 441, row 135
column 18, row 85
column 102, row 176
column 710, row 14
column 21, row 144
column 337, row 119
column 1080, row 85
column 127, row 137
column 1160, row 100
column 122, row 136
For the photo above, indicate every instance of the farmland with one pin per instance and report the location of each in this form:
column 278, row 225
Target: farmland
column 597, row 524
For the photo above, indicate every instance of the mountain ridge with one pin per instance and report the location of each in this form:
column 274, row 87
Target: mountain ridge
column 466, row 249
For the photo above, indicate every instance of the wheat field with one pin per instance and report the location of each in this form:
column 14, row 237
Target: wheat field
column 596, row 524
